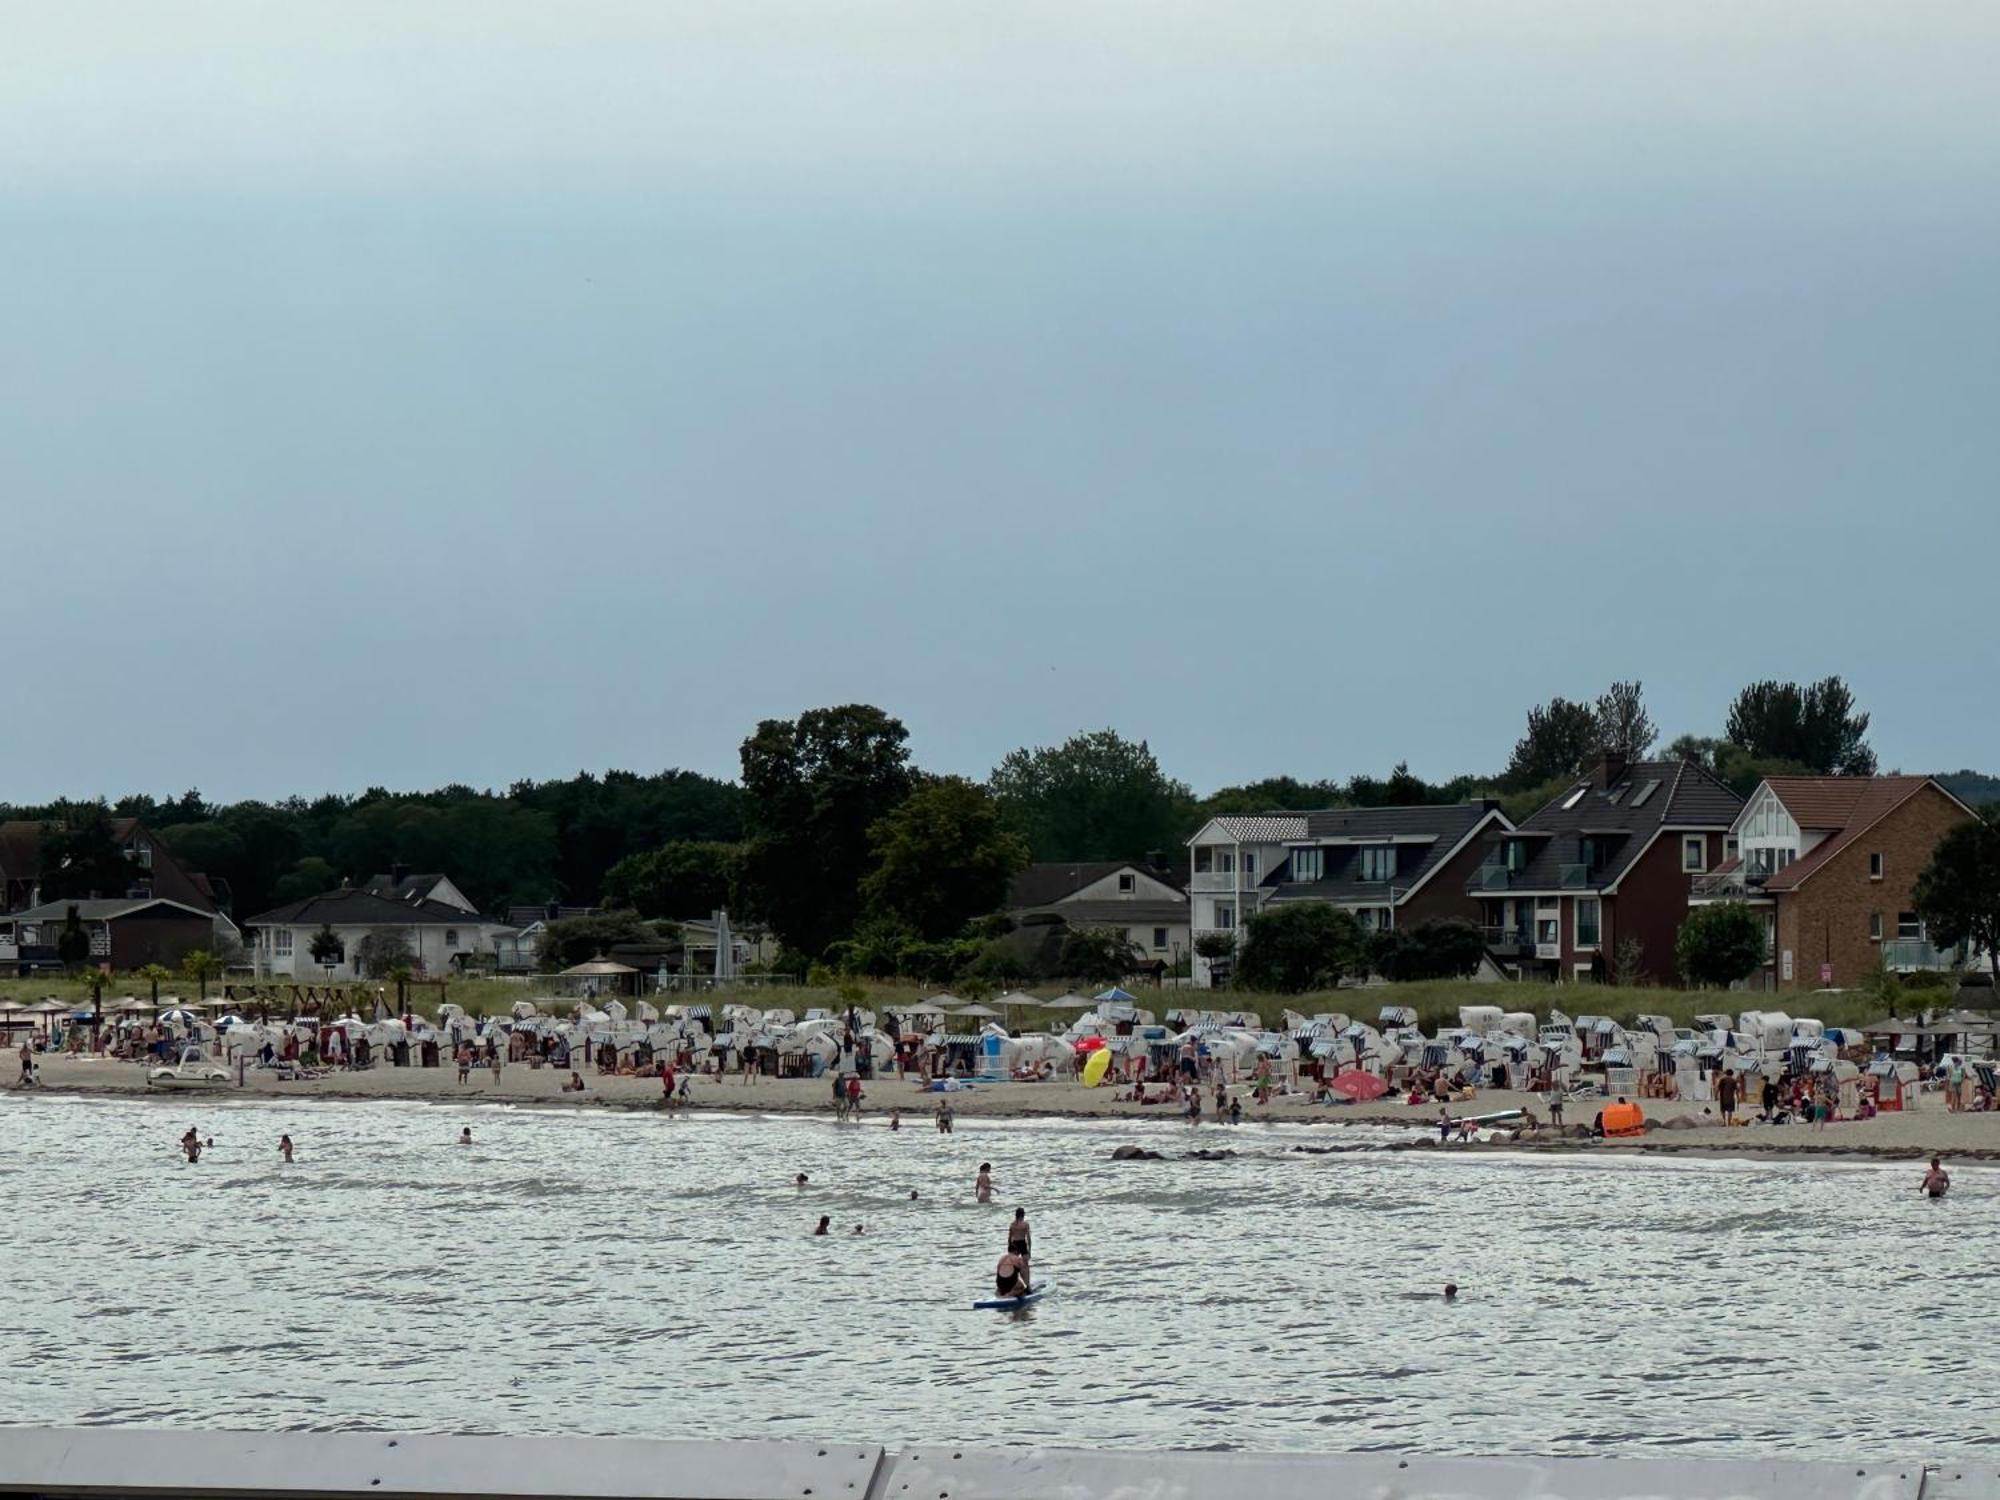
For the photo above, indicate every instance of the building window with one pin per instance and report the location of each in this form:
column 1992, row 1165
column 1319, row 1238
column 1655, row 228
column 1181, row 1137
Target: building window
column 1159, row 937
column 1378, row 862
column 451, row 937
column 1589, row 915
column 1127, row 883
column 1515, row 855
column 1909, row 926
column 1225, row 861
column 1225, row 915
column 1874, row 927
column 1249, row 863
column 1875, row 866
column 1308, row 864
column 1730, row 848
column 1204, row 859
column 281, row 942
column 1694, row 854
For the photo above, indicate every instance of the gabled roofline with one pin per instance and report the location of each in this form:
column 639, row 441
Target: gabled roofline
column 1453, row 852
column 1849, row 833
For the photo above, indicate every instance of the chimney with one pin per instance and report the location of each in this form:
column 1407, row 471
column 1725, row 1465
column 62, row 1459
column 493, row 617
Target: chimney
column 1609, row 770
column 398, row 874
column 552, row 911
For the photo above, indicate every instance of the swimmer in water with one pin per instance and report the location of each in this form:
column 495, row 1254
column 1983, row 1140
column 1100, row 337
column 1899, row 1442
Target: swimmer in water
column 913, row 1195
column 465, row 1136
column 1937, row 1181
column 895, row 1119
column 824, row 1221
column 1451, row 1291
column 800, row 1180
column 859, row 1230
column 982, row 1185
column 285, row 1148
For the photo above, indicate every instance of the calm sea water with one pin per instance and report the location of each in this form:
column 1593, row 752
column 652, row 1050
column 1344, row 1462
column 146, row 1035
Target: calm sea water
column 623, row 1274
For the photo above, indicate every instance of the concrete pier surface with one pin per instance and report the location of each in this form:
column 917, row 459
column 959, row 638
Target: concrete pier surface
column 181, row 1462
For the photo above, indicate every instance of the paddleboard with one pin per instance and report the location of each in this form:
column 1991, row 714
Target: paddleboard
column 1097, row 1067
column 1014, row 1304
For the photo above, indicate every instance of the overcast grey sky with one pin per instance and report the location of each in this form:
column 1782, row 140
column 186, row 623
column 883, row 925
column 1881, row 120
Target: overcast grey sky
column 462, row 391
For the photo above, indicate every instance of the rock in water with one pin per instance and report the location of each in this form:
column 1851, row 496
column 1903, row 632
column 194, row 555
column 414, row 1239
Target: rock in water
column 1134, row 1153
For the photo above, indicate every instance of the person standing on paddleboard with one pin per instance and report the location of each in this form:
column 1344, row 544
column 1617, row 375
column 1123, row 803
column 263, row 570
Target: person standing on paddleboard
column 1019, row 1243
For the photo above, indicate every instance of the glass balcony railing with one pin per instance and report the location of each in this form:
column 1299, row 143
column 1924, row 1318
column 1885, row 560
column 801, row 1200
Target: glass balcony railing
column 1575, row 877
column 1491, row 876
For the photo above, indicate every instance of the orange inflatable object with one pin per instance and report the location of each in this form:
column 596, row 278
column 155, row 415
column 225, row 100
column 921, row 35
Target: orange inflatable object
column 1624, row 1119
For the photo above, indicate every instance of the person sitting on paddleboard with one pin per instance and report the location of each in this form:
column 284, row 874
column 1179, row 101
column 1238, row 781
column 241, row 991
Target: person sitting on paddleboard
column 1010, row 1277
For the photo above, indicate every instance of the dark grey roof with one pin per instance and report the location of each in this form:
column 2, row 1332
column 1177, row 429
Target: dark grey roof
column 1440, row 827
column 1622, row 818
column 407, row 888
column 361, row 908
column 524, row 916
column 100, row 909
column 1045, row 884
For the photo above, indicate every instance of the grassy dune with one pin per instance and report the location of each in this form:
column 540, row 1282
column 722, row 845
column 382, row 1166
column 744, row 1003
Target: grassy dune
column 1436, row 1003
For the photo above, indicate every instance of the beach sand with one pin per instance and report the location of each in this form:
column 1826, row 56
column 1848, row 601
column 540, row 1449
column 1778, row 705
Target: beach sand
column 1920, row 1133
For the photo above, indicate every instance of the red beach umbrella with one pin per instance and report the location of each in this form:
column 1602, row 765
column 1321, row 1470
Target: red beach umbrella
column 1358, row 1086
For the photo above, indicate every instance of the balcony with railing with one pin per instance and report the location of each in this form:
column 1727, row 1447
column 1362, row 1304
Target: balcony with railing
column 1510, row 942
column 1574, row 877
column 1907, row 955
column 1221, row 882
column 1491, row 876
column 1742, row 884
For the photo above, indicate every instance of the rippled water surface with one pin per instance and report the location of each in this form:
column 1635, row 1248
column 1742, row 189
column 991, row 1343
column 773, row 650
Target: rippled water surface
column 586, row 1272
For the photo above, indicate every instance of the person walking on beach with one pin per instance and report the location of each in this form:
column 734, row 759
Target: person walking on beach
column 465, row 1062
column 285, row 1149
column 493, row 1059
column 1937, row 1181
column 1725, row 1097
column 982, row 1185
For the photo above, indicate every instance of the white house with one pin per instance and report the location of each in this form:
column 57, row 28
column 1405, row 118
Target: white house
column 439, row 934
column 1229, row 860
column 1108, row 895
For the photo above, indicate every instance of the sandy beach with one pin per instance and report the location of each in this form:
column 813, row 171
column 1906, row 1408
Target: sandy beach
column 1932, row 1130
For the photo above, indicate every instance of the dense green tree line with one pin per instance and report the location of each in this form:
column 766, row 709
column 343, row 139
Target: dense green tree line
column 853, row 854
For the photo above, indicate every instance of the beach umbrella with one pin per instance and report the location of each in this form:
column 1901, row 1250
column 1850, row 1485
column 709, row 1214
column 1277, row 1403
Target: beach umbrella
column 1068, row 1002
column 943, row 1001
column 976, row 1011
column 48, row 1005
column 1358, row 1086
column 1018, row 999
column 1115, row 993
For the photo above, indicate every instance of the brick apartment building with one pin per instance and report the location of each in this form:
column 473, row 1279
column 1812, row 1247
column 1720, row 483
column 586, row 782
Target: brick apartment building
column 1831, row 862
column 1608, row 863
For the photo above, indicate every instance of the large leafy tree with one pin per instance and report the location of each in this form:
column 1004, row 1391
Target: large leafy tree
column 815, row 786
column 1300, row 946
column 1447, row 948
column 1958, row 892
column 682, row 879
column 577, row 940
column 943, row 857
column 1816, row 726
column 1561, row 736
column 1095, row 796
column 1720, row 944
column 1623, row 725
column 79, row 855
column 1272, row 794
column 382, row 950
